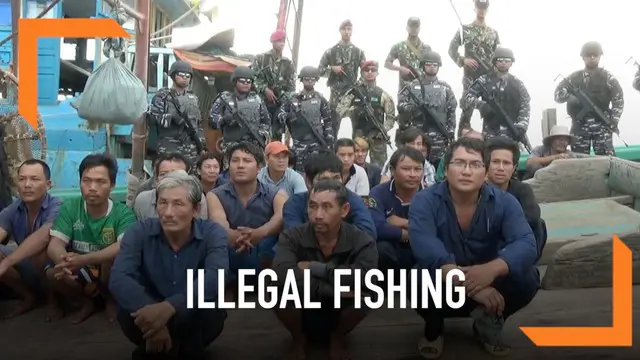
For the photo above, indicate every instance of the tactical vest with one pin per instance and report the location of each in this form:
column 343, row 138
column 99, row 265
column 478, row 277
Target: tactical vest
column 374, row 98
column 509, row 99
column 596, row 89
column 248, row 109
column 279, row 74
column 435, row 97
column 310, row 109
column 351, row 67
column 188, row 104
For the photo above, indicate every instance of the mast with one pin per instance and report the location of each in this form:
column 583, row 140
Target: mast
column 297, row 33
column 139, row 136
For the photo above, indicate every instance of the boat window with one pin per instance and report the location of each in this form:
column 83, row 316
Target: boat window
column 35, row 7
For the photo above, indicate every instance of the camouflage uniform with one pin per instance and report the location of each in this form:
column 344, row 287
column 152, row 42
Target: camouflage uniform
column 350, row 58
column 408, row 56
column 172, row 133
column 604, row 90
column 383, row 108
column 250, row 108
column 277, row 74
column 439, row 96
column 479, row 43
column 511, row 94
column 307, row 107
column 636, row 81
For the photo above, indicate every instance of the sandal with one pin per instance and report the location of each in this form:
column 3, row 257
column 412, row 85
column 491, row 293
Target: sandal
column 430, row 349
column 492, row 343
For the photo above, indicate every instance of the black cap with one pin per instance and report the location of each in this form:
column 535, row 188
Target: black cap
column 413, row 21
column 481, row 4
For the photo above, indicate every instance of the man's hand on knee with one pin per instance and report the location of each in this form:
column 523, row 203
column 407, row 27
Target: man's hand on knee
column 160, row 342
column 491, row 300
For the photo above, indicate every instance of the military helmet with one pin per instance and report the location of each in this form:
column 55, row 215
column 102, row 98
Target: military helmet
column 180, row 66
column 430, row 56
column 309, row 72
column 241, row 72
column 502, row 53
column 591, row 48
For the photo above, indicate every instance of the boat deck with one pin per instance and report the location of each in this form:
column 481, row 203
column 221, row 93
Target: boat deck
column 384, row 335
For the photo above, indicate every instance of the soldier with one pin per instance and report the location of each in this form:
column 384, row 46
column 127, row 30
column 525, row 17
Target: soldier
column 604, row 91
column 381, row 105
column 480, row 41
column 305, row 108
column 275, row 80
column 436, row 95
column 508, row 91
column 340, row 64
column 175, row 113
column 408, row 53
column 233, row 112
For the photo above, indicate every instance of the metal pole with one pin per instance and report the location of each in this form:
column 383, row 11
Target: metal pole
column 136, row 14
column 16, row 9
column 297, row 34
column 139, row 137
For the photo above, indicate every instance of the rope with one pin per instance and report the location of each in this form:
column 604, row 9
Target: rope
column 115, row 47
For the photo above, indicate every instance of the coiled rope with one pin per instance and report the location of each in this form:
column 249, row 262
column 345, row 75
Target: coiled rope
column 115, row 47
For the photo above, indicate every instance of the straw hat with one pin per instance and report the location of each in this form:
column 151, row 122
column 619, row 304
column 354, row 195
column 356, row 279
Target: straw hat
column 556, row 131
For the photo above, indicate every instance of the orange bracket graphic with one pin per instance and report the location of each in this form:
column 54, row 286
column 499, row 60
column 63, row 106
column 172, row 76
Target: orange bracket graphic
column 619, row 333
column 32, row 29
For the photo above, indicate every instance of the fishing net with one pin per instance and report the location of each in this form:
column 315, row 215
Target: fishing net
column 20, row 141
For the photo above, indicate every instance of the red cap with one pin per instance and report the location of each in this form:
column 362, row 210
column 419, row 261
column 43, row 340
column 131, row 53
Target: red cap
column 278, row 35
column 275, row 147
column 368, row 64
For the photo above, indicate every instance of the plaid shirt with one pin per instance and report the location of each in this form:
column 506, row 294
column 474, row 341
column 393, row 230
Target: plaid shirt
column 428, row 179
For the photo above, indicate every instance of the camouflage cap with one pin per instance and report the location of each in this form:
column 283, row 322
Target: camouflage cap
column 481, row 4
column 413, row 21
column 344, row 24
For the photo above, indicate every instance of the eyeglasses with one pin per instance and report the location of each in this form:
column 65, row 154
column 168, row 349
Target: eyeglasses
column 184, row 75
column 461, row 164
column 431, row 64
column 245, row 81
column 308, row 79
column 503, row 59
column 370, row 70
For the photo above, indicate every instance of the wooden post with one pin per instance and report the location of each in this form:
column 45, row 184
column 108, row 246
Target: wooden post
column 139, row 137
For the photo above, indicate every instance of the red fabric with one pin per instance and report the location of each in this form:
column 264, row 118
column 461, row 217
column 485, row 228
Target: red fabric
column 368, row 64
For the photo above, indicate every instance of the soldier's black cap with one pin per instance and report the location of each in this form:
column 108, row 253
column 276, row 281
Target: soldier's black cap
column 481, row 4
column 413, row 21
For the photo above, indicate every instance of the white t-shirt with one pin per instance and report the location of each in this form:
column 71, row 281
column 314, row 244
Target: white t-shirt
column 358, row 181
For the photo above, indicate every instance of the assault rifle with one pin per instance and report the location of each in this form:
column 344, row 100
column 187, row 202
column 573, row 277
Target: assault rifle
column 243, row 123
column 314, row 131
column 426, row 111
column 506, row 119
column 368, row 110
column 590, row 107
column 268, row 75
column 188, row 126
column 635, row 62
column 470, row 54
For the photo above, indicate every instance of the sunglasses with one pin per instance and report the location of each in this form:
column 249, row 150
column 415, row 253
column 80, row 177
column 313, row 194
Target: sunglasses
column 245, row 81
column 184, row 75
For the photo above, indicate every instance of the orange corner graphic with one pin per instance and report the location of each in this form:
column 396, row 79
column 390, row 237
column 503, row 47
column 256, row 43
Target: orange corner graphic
column 32, row 29
column 619, row 333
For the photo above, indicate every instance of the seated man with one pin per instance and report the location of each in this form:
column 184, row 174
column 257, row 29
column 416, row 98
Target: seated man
column 249, row 210
column 85, row 237
column 209, row 166
column 323, row 245
column 278, row 173
column 503, row 155
column 326, row 166
column 553, row 147
column 150, row 286
column 28, row 221
column 465, row 223
column 390, row 208
column 145, row 203
column 465, row 133
column 374, row 172
column 354, row 177
column 413, row 138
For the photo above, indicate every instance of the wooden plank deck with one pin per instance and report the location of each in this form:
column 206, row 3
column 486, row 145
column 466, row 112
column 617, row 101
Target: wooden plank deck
column 384, row 335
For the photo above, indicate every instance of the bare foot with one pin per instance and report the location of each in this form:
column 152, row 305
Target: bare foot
column 337, row 349
column 111, row 310
column 297, row 351
column 54, row 312
column 88, row 308
column 24, row 306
